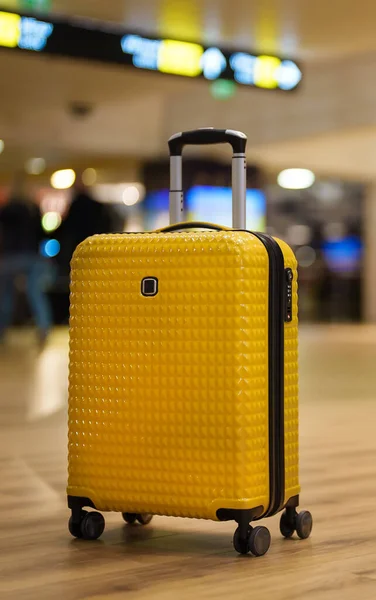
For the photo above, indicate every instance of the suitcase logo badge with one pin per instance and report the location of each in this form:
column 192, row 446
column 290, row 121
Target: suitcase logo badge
column 149, row 286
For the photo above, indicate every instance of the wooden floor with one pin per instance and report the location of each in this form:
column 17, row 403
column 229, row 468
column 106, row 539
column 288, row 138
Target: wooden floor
column 175, row 559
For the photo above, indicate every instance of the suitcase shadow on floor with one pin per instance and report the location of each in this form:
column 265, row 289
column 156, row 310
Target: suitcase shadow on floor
column 153, row 540
column 175, row 541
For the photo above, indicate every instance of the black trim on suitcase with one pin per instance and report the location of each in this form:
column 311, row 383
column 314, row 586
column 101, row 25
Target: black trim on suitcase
column 239, row 515
column 276, row 375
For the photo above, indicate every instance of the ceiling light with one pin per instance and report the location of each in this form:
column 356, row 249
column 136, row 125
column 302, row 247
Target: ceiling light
column 296, row 179
column 63, row 179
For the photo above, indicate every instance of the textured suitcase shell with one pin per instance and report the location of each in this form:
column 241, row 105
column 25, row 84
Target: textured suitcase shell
column 168, row 395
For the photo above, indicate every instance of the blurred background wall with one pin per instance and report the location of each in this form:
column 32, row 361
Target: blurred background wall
column 73, row 108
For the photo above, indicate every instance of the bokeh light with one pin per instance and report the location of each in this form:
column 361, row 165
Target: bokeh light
column 131, row 195
column 299, row 235
column 54, row 201
column 329, row 192
column 334, row 231
column 35, row 166
column 343, row 255
column 306, row 256
column 89, row 176
column 51, row 221
column 63, row 179
column 127, row 193
column 50, row 248
column 223, row 89
column 296, row 179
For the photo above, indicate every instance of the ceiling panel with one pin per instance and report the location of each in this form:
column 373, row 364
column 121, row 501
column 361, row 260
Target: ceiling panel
column 348, row 154
column 304, row 28
column 37, row 108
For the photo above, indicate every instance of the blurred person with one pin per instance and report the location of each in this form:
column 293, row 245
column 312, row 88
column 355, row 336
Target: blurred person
column 86, row 217
column 20, row 236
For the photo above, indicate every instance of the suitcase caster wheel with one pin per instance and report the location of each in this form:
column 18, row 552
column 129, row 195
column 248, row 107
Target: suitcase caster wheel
column 129, row 518
column 259, row 541
column 304, row 524
column 75, row 528
column 144, row 519
column 92, row 526
column 241, row 543
column 287, row 525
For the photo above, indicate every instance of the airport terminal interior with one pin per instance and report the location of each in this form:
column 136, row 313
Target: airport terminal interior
column 90, row 94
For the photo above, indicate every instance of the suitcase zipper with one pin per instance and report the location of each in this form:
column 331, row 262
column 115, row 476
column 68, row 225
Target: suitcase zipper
column 276, row 375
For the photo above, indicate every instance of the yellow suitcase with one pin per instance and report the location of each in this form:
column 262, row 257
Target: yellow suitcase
column 183, row 383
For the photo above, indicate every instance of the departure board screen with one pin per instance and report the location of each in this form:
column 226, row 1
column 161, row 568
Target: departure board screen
column 91, row 41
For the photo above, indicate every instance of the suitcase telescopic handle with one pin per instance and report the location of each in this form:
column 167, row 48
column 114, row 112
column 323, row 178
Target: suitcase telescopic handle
column 207, row 136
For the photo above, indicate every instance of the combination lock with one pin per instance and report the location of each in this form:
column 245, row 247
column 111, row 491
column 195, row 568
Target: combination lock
column 289, row 276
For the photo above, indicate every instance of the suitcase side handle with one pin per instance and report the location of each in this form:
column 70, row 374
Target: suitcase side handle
column 206, row 136
column 192, row 225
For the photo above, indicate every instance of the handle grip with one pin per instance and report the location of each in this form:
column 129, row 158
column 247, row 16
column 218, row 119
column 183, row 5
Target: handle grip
column 206, row 136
